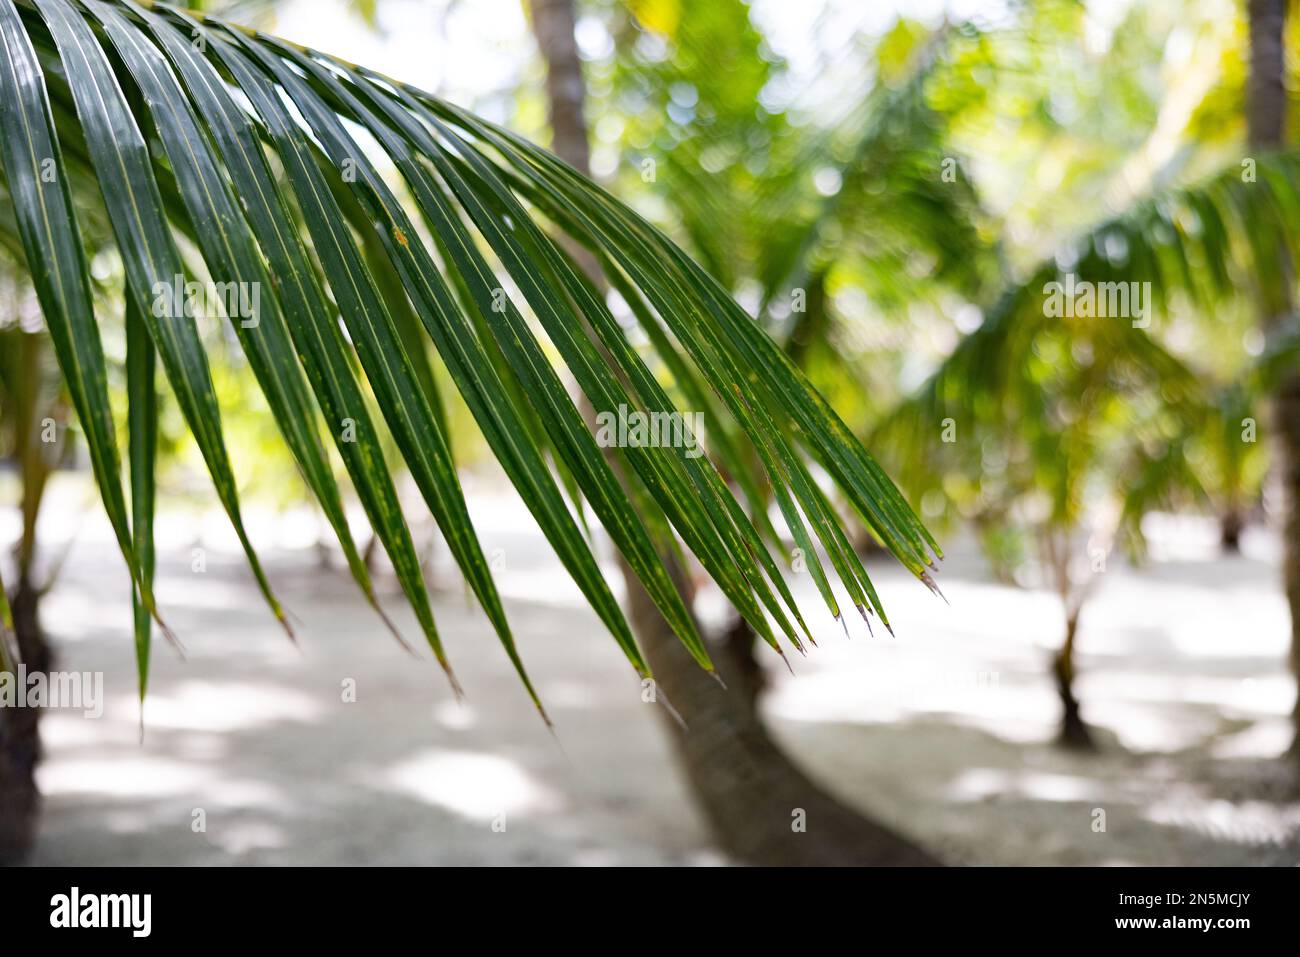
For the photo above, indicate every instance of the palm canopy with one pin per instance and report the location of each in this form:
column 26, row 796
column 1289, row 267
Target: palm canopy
column 269, row 159
column 1039, row 383
column 820, row 221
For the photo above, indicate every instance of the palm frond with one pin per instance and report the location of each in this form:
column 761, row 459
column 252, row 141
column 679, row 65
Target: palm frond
column 177, row 119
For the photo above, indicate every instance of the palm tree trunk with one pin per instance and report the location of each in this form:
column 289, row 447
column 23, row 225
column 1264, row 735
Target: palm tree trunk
column 1266, row 119
column 20, row 735
column 1074, row 733
column 1231, row 524
column 762, row 809
column 19, row 726
column 1286, row 414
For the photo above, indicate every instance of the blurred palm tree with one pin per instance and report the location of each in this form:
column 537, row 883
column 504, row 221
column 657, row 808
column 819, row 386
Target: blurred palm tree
column 1266, row 119
column 1054, row 433
column 1065, row 433
column 1054, row 437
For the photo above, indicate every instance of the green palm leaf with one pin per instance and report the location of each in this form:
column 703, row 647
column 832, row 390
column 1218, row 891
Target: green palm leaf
column 142, row 418
column 42, row 202
column 150, row 257
column 174, row 118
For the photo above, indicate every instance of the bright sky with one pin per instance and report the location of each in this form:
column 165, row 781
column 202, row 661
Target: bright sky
column 467, row 51
column 475, row 51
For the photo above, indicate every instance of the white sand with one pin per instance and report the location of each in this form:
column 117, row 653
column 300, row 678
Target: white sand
column 943, row 731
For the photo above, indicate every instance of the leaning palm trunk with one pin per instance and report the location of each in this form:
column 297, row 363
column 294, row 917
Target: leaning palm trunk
column 1266, row 118
column 761, row 808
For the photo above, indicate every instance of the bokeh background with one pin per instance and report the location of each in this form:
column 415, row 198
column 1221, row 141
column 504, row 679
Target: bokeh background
column 880, row 184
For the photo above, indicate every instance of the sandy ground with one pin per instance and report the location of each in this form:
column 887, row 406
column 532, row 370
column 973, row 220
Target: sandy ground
column 944, row 731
